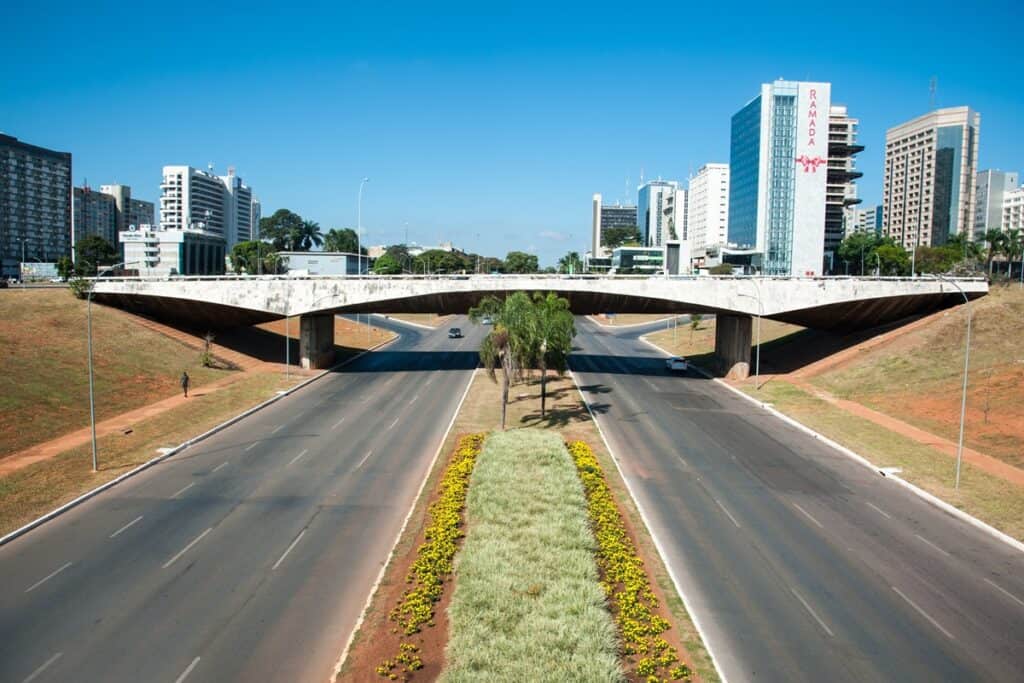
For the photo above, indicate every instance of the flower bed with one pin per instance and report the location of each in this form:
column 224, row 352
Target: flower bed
column 625, row 581
column 433, row 564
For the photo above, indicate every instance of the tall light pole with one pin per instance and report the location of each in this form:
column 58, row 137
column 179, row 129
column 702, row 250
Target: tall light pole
column 963, row 393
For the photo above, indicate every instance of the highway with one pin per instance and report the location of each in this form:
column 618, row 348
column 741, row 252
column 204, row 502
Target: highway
column 250, row 555
column 798, row 563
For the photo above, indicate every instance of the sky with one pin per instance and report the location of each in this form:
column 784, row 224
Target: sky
column 488, row 127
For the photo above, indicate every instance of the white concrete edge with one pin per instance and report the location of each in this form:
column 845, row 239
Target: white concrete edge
column 416, row 499
column 178, row 449
column 400, row 321
column 921, row 493
column 669, row 316
column 657, row 543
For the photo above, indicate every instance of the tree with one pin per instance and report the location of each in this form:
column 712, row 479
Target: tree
column 282, row 228
column 491, row 264
column 892, row 259
column 344, row 240
column 570, row 263
column 521, row 262
column 507, row 345
column 721, row 269
column 65, row 267
column 695, row 320
column 856, row 249
column 996, row 241
column 387, row 265
column 551, row 332
column 246, row 257
column 308, row 236
column 617, row 237
column 1015, row 249
column 936, row 259
column 91, row 252
column 441, row 261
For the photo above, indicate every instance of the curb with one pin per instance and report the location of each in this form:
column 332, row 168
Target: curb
column 921, row 493
column 400, row 321
column 657, row 544
column 177, row 449
column 405, row 523
column 626, row 327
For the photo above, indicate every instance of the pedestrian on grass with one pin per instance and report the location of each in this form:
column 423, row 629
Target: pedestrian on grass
column 184, row 383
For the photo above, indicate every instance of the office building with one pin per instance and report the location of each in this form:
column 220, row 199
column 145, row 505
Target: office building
column 162, row 253
column 1013, row 210
column 928, row 190
column 865, row 220
column 661, row 212
column 989, row 189
column 130, row 211
column 778, row 173
column 221, row 206
column 708, row 207
column 841, row 187
column 638, row 260
column 611, row 216
column 323, row 263
column 35, row 204
column 93, row 213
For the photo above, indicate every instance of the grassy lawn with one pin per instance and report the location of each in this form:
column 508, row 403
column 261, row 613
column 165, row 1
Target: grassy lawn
column 698, row 344
column 527, row 604
column 985, row 496
column 45, row 384
column 41, row 487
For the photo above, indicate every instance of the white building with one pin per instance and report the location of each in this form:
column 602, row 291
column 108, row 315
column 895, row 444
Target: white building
column 865, row 220
column 928, row 190
column 707, row 212
column 223, row 206
column 323, row 263
column 162, row 253
column 608, row 216
column 778, row 167
column 1013, row 210
column 989, row 189
column 661, row 212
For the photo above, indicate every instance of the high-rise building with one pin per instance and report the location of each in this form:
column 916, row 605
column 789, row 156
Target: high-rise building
column 35, row 204
column 221, row 206
column 140, row 212
column 94, row 213
column 928, row 190
column 778, row 175
column 865, row 220
column 989, row 189
column 841, row 189
column 610, row 216
column 707, row 212
column 1013, row 210
column 661, row 212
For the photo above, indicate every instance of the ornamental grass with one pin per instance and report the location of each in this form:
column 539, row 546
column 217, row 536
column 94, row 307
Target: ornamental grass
column 433, row 563
column 624, row 579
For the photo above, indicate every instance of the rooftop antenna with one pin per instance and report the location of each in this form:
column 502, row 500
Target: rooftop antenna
column 625, row 197
column 210, row 166
column 933, row 85
column 641, row 176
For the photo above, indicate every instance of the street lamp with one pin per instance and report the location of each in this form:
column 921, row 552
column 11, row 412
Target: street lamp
column 359, row 231
column 963, row 394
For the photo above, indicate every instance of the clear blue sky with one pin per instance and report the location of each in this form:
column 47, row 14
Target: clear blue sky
column 469, row 121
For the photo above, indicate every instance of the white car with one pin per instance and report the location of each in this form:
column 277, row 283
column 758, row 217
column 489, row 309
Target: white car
column 677, row 363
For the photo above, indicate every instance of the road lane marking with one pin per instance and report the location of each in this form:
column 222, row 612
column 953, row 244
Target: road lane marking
column 337, row 424
column 923, row 613
column 251, row 446
column 40, row 582
column 922, row 538
column 44, row 667
column 427, row 384
column 1005, row 592
column 650, row 384
column 281, row 559
column 298, row 456
column 414, row 399
column 277, row 429
column 393, row 424
column 878, row 510
column 125, row 527
column 364, row 459
column 186, row 672
column 223, row 464
column 727, row 513
column 813, row 613
column 183, row 490
column 185, row 550
column 808, row 514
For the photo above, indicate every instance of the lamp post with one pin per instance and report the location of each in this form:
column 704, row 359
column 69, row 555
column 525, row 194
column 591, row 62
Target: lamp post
column 359, row 231
column 963, row 393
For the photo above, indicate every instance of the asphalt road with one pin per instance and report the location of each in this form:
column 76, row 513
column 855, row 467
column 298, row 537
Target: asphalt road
column 250, row 555
column 799, row 564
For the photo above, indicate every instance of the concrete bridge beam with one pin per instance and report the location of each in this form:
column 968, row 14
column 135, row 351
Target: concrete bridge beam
column 316, row 341
column 732, row 345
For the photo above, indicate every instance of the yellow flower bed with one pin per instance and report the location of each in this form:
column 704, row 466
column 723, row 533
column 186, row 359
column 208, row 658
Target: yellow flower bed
column 433, row 562
column 624, row 579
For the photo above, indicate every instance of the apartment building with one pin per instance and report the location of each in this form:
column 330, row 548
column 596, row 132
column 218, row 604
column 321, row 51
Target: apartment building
column 661, row 212
column 608, row 216
column 990, row 187
column 707, row 212
column 841, row 187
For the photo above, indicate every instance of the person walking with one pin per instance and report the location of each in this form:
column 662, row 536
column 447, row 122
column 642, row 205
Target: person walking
column 184, row 383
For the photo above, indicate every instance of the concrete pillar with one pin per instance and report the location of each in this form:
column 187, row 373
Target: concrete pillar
column 316, row 341
column 732, row 345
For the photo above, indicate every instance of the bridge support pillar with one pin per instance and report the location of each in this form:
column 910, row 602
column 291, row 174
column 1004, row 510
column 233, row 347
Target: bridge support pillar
column 732, row 345
column 316, row 341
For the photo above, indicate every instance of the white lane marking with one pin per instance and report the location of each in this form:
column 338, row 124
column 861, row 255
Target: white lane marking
column 813, row 613
column 277, row 429
column 923, row 613
column 414, row 399
column 1005, row 592
column 808, row 514
column 281, row 559
column 125, row 527
column 186, row 672
column 337, row 424
column 251, row 446
column 184, row 550
column 393, row 424
column 727, row 513
column 44, row 667
column 925, row 540
column 298, row 456
column 650, row 384
column 427, row 383
column 40, row 582
column 878, row 510
column 183, row 490
column 223, row 464
column 365, row 457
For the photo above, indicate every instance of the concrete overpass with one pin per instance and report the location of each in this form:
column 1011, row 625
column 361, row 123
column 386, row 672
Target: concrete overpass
column 833, row 303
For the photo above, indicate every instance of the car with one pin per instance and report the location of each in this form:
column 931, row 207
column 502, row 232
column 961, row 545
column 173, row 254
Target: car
column 677, row 363
column 487, row 321
column 454, row 333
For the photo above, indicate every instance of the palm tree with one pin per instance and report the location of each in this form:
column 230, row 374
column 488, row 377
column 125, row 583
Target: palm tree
column 1015, row 248
column 552, row 330
column 507, row 345
column 996, row 240
column 570, row 263
column 307, row 235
